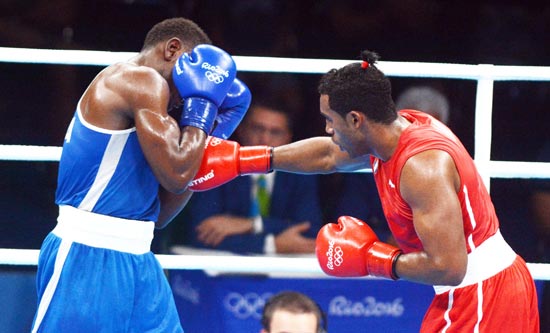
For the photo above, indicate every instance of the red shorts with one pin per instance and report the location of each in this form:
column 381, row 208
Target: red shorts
column 508, row 304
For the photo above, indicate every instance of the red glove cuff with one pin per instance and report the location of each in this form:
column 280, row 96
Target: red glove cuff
column 381, row 260
column 255, row 159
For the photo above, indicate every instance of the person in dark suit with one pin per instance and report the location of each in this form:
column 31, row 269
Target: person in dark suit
column 234, row 218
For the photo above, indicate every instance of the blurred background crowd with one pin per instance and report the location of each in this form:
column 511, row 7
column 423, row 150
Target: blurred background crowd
column 38, row 101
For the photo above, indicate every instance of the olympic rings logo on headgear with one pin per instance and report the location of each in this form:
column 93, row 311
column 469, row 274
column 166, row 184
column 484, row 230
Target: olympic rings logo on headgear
column 214, row 77
column 249, row 305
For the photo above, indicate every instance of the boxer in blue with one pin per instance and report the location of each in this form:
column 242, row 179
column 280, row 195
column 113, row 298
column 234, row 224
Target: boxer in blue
column 124, row 170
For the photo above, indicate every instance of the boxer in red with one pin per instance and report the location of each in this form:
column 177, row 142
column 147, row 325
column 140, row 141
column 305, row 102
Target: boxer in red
column 437, row 206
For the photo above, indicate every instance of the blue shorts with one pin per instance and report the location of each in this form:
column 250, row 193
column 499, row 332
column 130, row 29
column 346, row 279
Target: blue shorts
column 82, row 288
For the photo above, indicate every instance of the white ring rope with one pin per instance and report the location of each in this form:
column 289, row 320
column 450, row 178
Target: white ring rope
column 497, row 169
column 484, row 74
column 222, row 263
column 305, row 266
column 291, row 65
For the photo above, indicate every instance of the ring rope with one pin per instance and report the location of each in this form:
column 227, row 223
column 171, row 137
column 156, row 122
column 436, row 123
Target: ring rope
column 484, row 74
column 304, row 266
column 292, row 65
column 497, row 169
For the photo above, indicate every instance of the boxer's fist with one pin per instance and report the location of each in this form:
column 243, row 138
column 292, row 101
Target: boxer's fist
column 203, row 78
column 351, row 248
column 232, row 110
column 224, row 160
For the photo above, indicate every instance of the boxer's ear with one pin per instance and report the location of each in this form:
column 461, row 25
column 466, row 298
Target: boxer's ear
column 355, row 118
column 172, row 48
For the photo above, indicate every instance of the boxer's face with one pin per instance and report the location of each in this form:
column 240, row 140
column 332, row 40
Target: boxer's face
column 337, row 127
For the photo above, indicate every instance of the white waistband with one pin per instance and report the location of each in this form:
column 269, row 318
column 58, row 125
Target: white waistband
column 104, row 231
column 490, row 258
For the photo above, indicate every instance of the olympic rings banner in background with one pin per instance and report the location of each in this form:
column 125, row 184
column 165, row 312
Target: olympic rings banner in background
column 234, row 303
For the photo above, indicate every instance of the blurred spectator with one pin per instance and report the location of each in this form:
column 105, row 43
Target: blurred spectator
column 426, row 99
column 540, row 207
column 540, row 202
column 231, row 218
column 291, row 311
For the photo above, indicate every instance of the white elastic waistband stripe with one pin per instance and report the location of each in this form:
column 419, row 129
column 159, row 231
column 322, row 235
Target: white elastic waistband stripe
column 104, row 231
column 490, row 258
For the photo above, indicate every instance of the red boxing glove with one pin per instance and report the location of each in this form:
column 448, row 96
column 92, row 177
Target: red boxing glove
column 351, row 248
column 224, row 160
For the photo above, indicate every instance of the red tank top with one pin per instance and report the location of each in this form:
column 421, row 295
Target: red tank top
column 426, row 133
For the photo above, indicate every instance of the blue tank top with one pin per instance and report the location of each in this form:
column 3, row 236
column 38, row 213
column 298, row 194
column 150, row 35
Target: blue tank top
column 105, row 172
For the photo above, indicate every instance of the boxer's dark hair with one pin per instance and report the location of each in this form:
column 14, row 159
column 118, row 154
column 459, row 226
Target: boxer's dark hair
column 186, row 30
column 355, row 88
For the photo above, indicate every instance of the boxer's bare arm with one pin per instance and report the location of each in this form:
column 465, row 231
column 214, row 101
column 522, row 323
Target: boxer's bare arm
column 139, row 96
column 315, row 155
column 171, row 205
column 429, row 184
